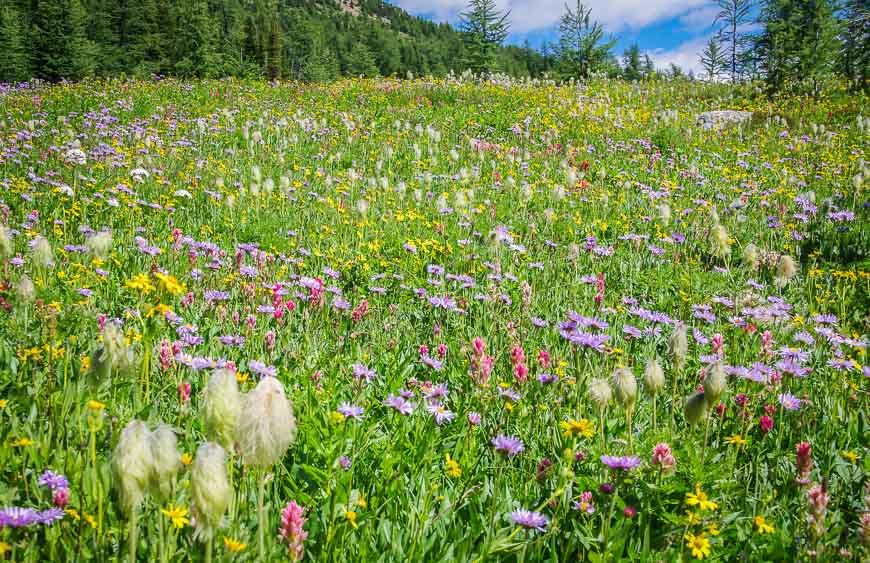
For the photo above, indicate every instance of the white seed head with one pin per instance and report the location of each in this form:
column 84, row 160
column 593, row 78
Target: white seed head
column 132, row 465
column 600, row 392
column 624, row 387
column 266, row 427
column 653, row 377
column 221, row 406
column 209, row 489
column 166, row 459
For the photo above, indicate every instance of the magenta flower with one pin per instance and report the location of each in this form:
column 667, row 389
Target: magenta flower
column 291, row 530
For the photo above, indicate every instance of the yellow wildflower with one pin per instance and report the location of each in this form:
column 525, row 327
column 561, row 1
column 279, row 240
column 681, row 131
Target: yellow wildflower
column 698, row 545
column 96, row 406
column 573, row 427
column 4, row 548
column 178, row 515
column 170, row 284
column 762, row 525
column 140, row 282
column 736, row 439
column 186, row 459
column 233, row 545
column 451, row 467
column 351, row 517
column 851, row 456
column 699, row 499
column 22, row 442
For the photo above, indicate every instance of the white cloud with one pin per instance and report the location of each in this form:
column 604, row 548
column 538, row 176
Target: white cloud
column 699, row 19
column 686, row 55
column 532, row 15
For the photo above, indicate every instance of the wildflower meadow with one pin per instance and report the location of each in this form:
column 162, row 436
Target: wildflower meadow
column 452, row 319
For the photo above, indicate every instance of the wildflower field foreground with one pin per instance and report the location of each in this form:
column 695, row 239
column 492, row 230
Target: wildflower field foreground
column 385, row 320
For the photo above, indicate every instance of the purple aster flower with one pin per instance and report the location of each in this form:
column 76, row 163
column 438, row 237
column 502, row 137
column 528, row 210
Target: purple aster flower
column 53, row 480
column 399, row 404
column 351, row 411
column 232, row 340
column 530, row 520
column 625, row 463
column 442, row 415
column 789, row 402
column 436, row 392
column 547, row 378
column 474, row 418
column 437, row 365
column 17, row 517
column 344, row 462
column 508, row 446
column 50, row 516
column 261, row 369
column 361, row 371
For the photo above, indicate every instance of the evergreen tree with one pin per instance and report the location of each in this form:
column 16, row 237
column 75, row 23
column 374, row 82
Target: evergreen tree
column 361, row 61
column 713, row 59
column 631, row 64
column 798, row 43
column 583, row 48
column 194, row 42
column 734, row 15
column 14, row 63
column 273, row 53
column 485, row 29
column 855, row 55
column 649, row 69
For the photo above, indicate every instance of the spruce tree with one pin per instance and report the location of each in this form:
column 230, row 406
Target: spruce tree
column 713, row 59
column 631, row 64
column 14, row 63
column 485, row 29
column 583, row 47
column 735, row 16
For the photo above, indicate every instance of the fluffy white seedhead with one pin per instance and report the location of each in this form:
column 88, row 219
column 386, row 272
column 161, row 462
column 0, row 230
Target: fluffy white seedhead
column 25, row 289
column 5, row 242
column 720, row 246
column 166, row 461
column 785, row 270
column 678, row 345
column 624, row 387
column 43, row 255
column 653, row 377
column 600, row 392
column 266, row 427
column 209, row 489
column 221, row 406
column 132, row 465
column 695, row 408
column 100, row 244
column 715, row 383
column 750, row 256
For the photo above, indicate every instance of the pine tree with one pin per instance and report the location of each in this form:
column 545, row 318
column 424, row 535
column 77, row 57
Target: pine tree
column 273, row 53
column 14, row 63
column 144, row 40
column 631, row 63
column 583, row 48
column 649, row 69
column 855, row 55
column 798, row 43
column 734, row 15
column 485, row 29
column 713, row 59
column 361, row 61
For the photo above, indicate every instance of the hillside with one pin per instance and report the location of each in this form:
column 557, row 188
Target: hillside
column 291, row 39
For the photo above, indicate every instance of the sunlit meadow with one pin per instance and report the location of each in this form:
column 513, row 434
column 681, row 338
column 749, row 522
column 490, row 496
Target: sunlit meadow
column 451, row 320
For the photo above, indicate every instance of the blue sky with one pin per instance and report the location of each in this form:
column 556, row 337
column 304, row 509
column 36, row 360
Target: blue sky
column 668, row 30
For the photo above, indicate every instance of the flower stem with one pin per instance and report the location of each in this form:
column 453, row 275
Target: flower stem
column 261, row 518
